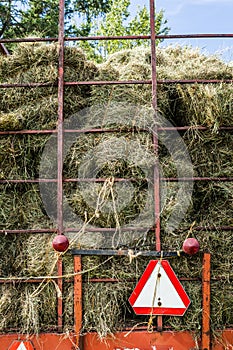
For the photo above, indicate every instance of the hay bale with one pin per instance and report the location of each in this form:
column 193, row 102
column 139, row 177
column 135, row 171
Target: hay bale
column 38, row 63
column 208, row 105
column 105, row 305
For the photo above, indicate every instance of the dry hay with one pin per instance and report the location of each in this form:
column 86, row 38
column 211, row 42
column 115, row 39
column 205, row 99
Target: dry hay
column 36, row 63
column 105, row 304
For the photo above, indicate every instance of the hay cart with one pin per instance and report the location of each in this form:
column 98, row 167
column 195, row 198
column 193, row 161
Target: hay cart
column 78, row 299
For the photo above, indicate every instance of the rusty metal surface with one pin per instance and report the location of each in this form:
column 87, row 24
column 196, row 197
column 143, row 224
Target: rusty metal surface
column 140, row 340
column 119, row 82
column 3, row 50
column 171, row 179
column 77, row 298
column 156, row 181
column 122, row 37
column 103, row 130
column 206, row 334
column 60, row 137
column 106, row 229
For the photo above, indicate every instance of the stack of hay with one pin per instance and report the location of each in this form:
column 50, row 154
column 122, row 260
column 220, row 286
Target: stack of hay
column 126, row 108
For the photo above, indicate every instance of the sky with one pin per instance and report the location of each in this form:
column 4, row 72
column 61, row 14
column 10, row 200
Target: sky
column 197, row 17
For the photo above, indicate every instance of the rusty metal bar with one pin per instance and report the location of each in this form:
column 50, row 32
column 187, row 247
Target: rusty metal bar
column 155, row 140
column 30, row 280
column 26, row 85
column 60, row 136
column 77, row 298
column 155, row 135
column 24, row 181
column 103, row 179
column 117, row 280
column 195, row 81
column 171, row 36
column 194, row 36
column 3, row 49
column 103, row 280
column 121, row 37
column 27, row 132
column 184, row 179
column 102, row 130
column 19, row 231
column 159, row 81
column 205, row 341
column 60, row 126
column 125, row 252
column 110, row 229
column 119, row 82
column 111, row 37
column 59, row 297
column 108, row 82
column 27, row 40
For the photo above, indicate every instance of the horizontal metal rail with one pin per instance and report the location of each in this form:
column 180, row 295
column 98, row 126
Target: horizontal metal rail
column 119, row 82
column 122, row 252
column 110, row 229
column 122, row 37
column 102, row 130
column 101, row 280
column 170, row 179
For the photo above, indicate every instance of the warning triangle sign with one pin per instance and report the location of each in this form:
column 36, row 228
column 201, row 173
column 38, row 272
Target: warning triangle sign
column 159, row 292
column 21, row 345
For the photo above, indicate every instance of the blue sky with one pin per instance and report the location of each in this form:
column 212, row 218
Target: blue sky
column 199, row 16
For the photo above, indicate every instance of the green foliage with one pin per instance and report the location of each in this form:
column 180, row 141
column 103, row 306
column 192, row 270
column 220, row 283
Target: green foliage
column 117, row 22
column 82, row 18
column 22, row 18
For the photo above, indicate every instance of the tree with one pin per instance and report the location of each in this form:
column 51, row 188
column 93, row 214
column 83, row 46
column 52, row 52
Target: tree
column 82, row 18
column 117, row 22
column 23, row 18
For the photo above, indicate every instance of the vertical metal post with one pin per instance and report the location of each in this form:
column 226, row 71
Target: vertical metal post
column 205, row 341
column 155, row 139
column 77, row 298
column 60, row 135
column 155, row 133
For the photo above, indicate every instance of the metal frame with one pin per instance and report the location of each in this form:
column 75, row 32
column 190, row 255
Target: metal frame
column 61, row 84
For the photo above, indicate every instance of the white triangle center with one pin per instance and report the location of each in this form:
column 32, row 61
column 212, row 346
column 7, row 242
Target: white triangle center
column 159, row 291
column 21, row 347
